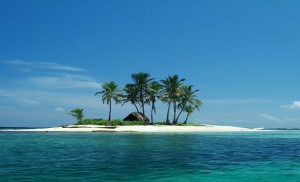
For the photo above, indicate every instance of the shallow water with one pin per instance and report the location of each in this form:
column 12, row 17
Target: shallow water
column 261, row 156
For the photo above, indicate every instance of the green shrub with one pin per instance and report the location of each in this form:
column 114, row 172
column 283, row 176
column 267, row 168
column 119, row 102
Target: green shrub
column 119, row 122
column 116, row 122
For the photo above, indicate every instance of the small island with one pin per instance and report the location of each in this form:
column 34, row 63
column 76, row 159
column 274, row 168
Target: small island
column 144, row 91
column 139, row 128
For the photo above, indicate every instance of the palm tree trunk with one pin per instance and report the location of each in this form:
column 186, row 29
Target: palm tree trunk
column 142, row 101
column 174, row 118
column 179, row 115
column 109, row 111
column 187, row 116
column 152, row 114
column 137, row 110
column 167, row 120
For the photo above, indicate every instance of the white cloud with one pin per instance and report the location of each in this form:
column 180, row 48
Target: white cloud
column 18, row 62
column 63, row 82
column 44, row 87
column 41, row 89
column 59, row 109
column 52, row 98
column 269, row 117
column 28, row 102
column 28, row 66
column 55, row 66
column 19, row 98
column 35, row 90
column 294, row 105
column 57, row 77
column 21, row 65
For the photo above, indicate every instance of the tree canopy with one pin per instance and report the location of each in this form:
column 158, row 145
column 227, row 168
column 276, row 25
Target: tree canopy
column 110, row 91
column 145, row 91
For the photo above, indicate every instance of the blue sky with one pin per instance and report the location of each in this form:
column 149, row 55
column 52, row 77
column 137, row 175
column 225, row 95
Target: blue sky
column 242, row 55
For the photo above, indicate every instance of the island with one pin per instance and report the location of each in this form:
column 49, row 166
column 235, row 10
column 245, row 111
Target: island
column 144, row 91
column 139, row 128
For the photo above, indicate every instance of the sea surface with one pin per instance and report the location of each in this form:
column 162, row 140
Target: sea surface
column 247, row 156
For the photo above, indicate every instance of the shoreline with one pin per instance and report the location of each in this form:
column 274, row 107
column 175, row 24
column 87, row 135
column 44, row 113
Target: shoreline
column 138, row 128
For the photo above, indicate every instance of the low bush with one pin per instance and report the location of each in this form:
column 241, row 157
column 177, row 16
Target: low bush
column 119, row 122
column 116, row 122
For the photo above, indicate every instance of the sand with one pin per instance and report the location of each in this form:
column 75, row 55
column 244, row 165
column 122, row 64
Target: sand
column 148, row 128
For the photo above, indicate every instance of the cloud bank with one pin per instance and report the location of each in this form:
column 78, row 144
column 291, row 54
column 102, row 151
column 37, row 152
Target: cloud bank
column 48, row 84
column 294, row 105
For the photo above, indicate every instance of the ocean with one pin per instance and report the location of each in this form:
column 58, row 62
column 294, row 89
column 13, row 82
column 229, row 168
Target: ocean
column 54, row 156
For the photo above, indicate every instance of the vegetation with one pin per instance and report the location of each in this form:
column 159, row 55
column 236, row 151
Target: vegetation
column 131, row 96
column 110, row 92
column 189, row 109
column 171, row 93
column 119, row 122
column 146, row 91
column 77, row 113
column 187, row 101
column 116, row 122
column 153, row 93
column 141, row 84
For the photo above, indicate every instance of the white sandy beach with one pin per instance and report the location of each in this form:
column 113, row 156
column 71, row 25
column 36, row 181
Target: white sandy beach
column 148, row 128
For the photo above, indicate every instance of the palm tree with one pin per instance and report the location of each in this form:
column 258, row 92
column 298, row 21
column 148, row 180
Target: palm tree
column 131, row 95
column 171, row 89
column 165, row 99
column 77, row 113
column 110, row 92
column 187, row 96
column 153, row 93
column 189, row 109
column 141, row 83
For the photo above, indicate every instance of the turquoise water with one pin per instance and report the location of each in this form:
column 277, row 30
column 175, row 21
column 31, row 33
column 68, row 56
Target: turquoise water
column 267, row 156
